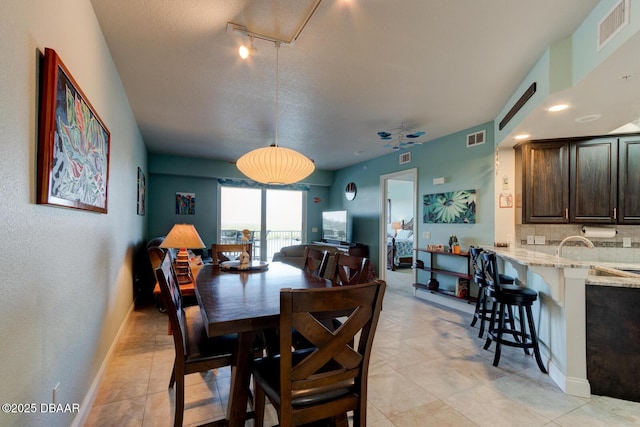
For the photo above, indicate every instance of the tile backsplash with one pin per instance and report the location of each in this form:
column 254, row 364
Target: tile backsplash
column 606, row 249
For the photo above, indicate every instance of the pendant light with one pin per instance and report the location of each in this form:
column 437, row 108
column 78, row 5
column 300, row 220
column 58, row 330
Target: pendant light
column 274, row 164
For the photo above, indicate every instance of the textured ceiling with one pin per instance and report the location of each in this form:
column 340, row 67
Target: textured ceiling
column 358, row 67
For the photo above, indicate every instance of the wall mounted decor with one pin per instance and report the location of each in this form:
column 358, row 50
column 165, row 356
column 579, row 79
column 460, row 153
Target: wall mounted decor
column 185, row 203
column 350, row 191
column 142, row 188
column 73, row 144
column 455, row 207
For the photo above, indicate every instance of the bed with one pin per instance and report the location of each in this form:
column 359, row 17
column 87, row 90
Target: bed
column 400, row 247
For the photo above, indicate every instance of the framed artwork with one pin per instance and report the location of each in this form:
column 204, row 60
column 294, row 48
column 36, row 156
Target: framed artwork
column 455, row 207
column 73, row 144
column 185, row 203
column 141, row 192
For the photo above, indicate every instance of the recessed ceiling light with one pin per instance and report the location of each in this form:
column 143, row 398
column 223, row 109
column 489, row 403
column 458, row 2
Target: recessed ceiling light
column 558, row 107
column 588, row 118
column 521, row 136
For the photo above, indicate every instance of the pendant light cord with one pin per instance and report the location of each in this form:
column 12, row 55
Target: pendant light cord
column 277, row 88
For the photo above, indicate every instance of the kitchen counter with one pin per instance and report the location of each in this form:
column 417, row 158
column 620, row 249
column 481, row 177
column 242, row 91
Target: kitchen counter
column 560, row 311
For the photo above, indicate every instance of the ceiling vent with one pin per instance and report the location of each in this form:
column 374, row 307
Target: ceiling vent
column 613, row 22
column 405, row 158
column 477, row 138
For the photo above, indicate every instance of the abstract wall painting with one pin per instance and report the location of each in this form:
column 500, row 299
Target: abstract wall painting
column 142, row 189
column 455, row 207
column 73, row 143
column 185, row 203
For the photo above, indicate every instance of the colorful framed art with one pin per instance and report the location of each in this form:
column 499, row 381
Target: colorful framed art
column 73, row 144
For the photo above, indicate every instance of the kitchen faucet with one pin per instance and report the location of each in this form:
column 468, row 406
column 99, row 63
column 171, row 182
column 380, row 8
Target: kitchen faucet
column 588, row 243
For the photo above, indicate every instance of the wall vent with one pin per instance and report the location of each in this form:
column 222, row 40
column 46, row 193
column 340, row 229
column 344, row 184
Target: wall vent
column 614, row 21
column 405, row 158
column 531, row 90
column 477, row 138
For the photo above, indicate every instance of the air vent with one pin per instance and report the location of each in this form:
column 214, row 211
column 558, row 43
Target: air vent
column 531, row 90
column 405, row 158
column 477, row 138
column 613, row 23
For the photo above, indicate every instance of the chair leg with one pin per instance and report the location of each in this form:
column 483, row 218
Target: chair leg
column 258, row 405
column 534, row 339
column 341, row 420
column 523, row 330
column 492, row 323
column 483, row 313
column 172, row 381
column 496, row 358
column 177, row 421
column 477, row 311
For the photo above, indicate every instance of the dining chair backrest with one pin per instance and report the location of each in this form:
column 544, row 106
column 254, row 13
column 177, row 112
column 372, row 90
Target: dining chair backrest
column 172, row 298
column 350, row 270
column 315, row 261
column 335, row 372
column 221, row 252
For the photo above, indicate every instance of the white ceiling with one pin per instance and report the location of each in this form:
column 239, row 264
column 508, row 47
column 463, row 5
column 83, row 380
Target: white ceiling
column 358, row 67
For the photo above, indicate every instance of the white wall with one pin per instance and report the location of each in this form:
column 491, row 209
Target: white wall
column 66, row 283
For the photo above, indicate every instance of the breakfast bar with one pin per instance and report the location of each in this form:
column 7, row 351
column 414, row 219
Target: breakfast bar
column 560, row 314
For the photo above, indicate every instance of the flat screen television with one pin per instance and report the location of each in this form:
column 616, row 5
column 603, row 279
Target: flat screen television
column 335, row 227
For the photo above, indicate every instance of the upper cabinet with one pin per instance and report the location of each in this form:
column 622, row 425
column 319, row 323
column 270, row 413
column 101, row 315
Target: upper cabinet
column 629, row 180
column 587, row 181
column 594, row 181
column 545, row 192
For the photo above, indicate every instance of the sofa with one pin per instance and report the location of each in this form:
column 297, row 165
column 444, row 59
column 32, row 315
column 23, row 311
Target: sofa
column 294, row 255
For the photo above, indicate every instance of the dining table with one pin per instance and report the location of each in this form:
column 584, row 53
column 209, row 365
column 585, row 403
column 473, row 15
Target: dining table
column 246, row 302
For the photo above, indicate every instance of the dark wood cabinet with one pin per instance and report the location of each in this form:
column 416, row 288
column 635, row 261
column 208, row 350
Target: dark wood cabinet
column 545, row 191
column 629, row 180
column 592, row 180
column 594, row 176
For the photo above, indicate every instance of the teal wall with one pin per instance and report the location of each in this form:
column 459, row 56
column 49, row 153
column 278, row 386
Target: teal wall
column 463, row 168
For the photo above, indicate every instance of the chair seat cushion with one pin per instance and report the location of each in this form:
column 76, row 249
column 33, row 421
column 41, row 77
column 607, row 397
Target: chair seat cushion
column 517, row 295
column 266, row 372
column 200, row 346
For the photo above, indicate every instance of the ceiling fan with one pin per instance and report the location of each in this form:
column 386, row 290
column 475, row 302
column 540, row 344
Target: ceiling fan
column 401, row 137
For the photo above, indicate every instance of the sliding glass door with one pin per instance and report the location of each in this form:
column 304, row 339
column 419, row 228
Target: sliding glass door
column 274, row 217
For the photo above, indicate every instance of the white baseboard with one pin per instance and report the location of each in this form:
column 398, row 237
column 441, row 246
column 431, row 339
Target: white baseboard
column 87, row 403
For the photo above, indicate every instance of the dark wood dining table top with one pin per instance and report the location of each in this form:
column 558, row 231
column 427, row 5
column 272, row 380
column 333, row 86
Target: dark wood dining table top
column 233, row 301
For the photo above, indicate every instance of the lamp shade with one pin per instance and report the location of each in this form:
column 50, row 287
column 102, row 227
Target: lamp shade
column 396, row 225
column 275, row 165
column 183, row 236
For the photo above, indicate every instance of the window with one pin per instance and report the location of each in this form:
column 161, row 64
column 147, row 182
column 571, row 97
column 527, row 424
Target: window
column 274, row 217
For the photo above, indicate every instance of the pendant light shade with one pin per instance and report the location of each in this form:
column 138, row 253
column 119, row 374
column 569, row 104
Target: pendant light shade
column 275, row 165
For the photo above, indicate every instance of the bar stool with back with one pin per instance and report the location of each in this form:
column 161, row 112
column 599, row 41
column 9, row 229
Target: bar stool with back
column 504, row 298
column 483, row 303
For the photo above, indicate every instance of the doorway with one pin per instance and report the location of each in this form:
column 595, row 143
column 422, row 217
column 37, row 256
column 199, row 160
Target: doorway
column 398, row 223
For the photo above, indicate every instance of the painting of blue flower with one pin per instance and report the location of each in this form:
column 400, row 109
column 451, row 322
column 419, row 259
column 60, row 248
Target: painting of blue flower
column 455, row 207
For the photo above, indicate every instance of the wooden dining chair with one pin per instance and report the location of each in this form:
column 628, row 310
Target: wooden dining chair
column 221, row 252
column 350, row 270
column 330, row 379
column 156, row 255
column 195, row 351
column 315, row 261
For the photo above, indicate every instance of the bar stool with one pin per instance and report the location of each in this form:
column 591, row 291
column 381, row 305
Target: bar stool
column 483, row 309
column 504, row 298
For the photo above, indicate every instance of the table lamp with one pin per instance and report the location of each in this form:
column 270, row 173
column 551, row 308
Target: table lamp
column 396, row 226
column 183, row 237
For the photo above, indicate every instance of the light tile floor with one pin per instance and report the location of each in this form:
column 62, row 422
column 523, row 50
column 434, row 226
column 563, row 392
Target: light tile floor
column 428, row 368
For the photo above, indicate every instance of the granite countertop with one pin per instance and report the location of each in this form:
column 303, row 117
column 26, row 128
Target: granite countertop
column 600, row 274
